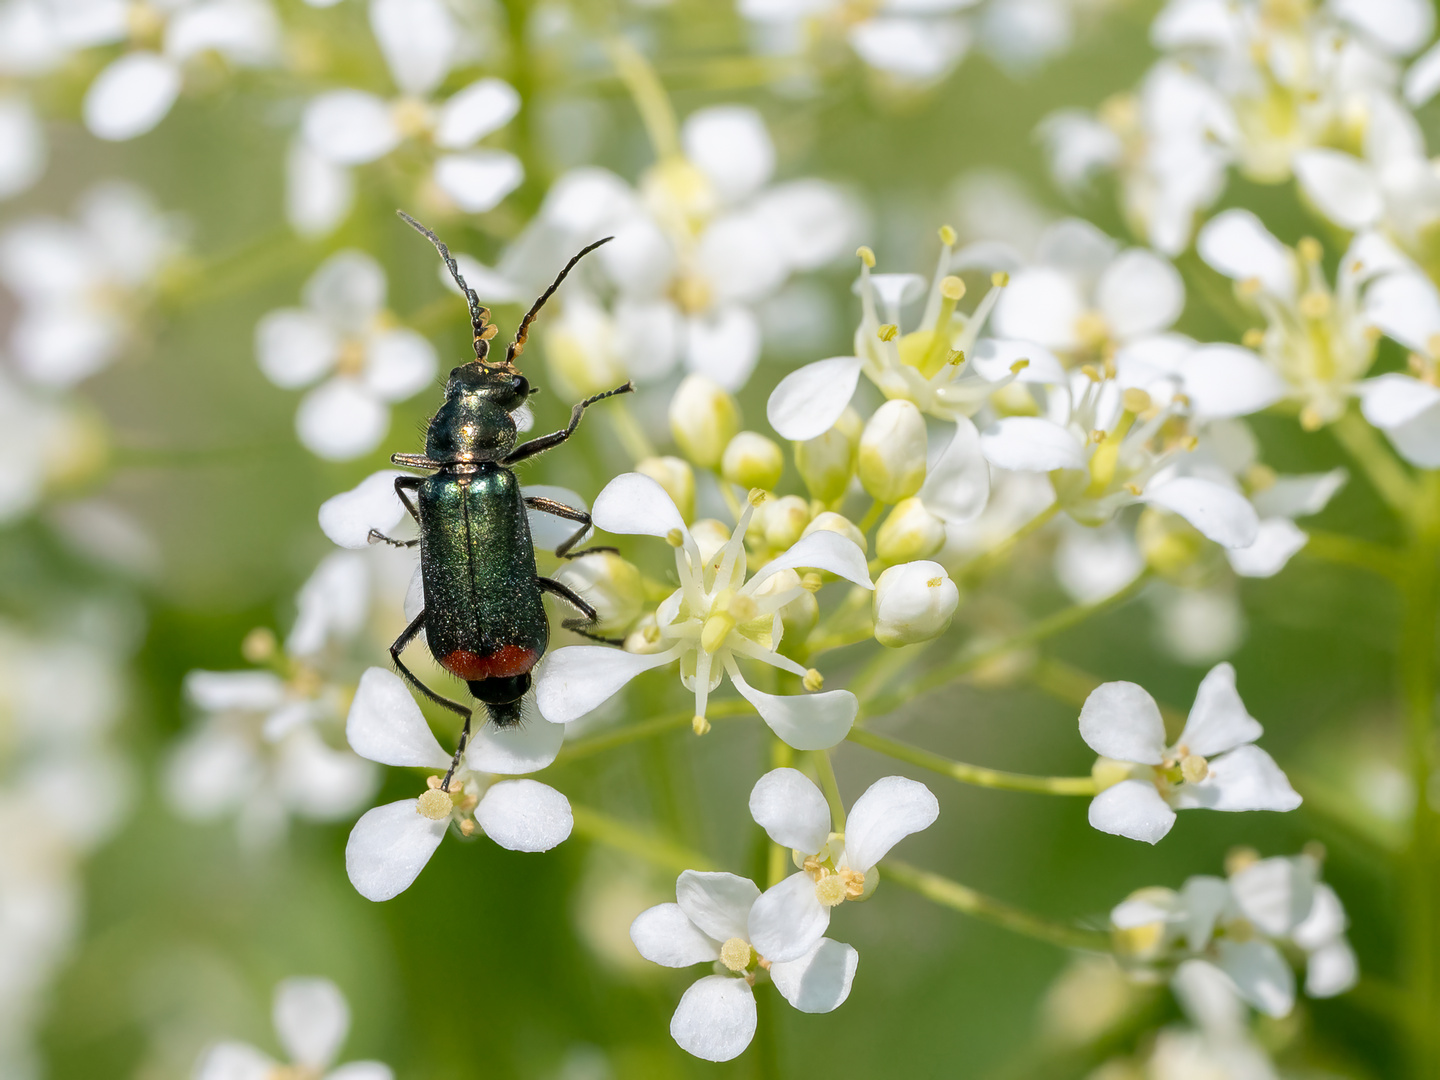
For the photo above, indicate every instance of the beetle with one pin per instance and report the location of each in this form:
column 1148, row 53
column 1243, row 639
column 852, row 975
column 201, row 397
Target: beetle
column 484, row 617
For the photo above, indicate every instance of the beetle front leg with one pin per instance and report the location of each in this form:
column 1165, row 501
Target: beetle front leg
column 569, row 513
column 590, row 615
column 406, row 636
column 555, row 438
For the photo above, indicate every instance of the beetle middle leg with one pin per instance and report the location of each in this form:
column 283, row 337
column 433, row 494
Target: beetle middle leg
column 402, row 484
column 406, row 636
column 590, row 616
column 555, row 438
column 569, row 513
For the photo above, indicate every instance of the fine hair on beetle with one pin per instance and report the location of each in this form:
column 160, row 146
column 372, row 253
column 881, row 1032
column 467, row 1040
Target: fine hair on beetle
column 484, row 617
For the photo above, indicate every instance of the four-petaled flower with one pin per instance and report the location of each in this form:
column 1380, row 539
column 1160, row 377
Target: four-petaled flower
column 1214, row 764
column 710, row 923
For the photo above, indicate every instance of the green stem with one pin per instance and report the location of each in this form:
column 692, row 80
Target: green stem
column 656, row 725
column 973, row 774
column 646, row 90
column 866, row 523
column 831, row 787
column 1390, row 478
column 964, row 899
column 1351, row 551
column 983, row 565
column 603, row 829
column 628, row 430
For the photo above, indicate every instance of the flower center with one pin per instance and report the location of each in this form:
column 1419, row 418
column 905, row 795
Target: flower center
column 835, row 887
column 735, row 954
column 294, row 1072
column 728, row 614
column 351, row 360
column 412, row 117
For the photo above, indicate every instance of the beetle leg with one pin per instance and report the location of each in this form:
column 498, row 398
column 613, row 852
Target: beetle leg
column 406, row 636
column 573, row 598
column 412, row 483
column 569, row 513
column 376, row 537
column 555, row 438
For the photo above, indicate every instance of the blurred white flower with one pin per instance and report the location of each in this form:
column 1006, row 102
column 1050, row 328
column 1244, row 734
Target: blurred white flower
column 311, row 1019
column 390, row 845
column 24, row 151
column 42, row 437
column 792, row 916
column 344, row 335
column 1406, row 307
column 714, row 619
column 709, row 922
column 421, row 43
column 1214, row 764
column 82, row 285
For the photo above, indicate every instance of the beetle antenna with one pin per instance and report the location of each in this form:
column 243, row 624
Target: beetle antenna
column 518, row 345
column 479, row 316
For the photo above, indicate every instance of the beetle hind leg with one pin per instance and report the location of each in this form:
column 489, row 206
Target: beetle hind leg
column 588, row 616
column 406, row 636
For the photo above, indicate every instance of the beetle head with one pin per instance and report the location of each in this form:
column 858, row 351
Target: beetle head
column 475, row 423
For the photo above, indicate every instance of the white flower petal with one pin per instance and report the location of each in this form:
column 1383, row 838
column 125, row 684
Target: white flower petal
column 311, row 1019
column 957, row 483
column 663, row 935
column 791, row 810
column 347, row 518
column 479, row 179
column 1341, row 186
column 579, row 678
column 731, row 146
column 472, row 113
column 1325, row 922
column 1203, row 901
column 399, row 363
column 1399, row 27
column 715, row 1019
column 1423, row 78
column 1133, row 809
column 1223, row 515
column 717, row 903
column 1237, row 245
column 891, row 809
column 294, row 347
column 1407, row 307
column 347, row 289
column 1139, row 293
column 1218, row 720
column 389, row 846
column 340, row 420
column 386, row 725
column 1331, row 969
column 349, row 127
column 1120, row 720
column 1278, row 540
column 994, row 357
column 810, row 221
column 333, row 602
column 1276, row 894
column 819, row 981
column 515, row 750
column 1224, row 381
column 1246, row 778
column 320, row 783
column 1040, row 305
column 524, row 815
column 362, row 1070
column 911, row 50
column 234, row 1061
column 1299, row 496
column 318, row 192
column 788, row 919
column 809, row 400
column 1260, row 974
column 804, row 721
column 823, row 549
column 131, row 96
column 633, row 504
column 23, row 139
column 1092, row 564
column 214, row 691
column 723, row 345
column 419, row 40
column 1030, row 444
column 1394, row 399
column 245, row 32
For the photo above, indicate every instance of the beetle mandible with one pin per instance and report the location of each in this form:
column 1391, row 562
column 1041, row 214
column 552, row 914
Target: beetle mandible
column 484, row 619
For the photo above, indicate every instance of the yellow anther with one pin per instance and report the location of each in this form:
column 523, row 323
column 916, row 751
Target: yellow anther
column 1253, row 338
column 1134, row 489
column 1259, row 477
column 951, row 287
column 699, row 724
column 434, row 804
column 811, row 581
column 1240, row 930
column 412, row 117
column 1098, row 436
column 259, row 646
column 1309, row 249
column 887, row 332
column 947, row 236
column 1310, row 418
column 1135, row 400
column 1315, row 304
column 717, row 628
column 830, row 890
column 1092, row 329
column 1088, row 370
column 813, row 680
column 1250, row 287
column 1019, row 365
column 1240, row 858
column 756, row 496
column 999, row 279
column 467, row 827
column 957, row 357
column 866, row 256
column 735, row 954
column 675, row 538
column 1194, row 768
column 934, row 582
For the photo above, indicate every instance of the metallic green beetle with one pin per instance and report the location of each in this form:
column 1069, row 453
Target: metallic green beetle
column 484, row 619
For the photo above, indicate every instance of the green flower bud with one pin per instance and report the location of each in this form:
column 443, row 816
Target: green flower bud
column 703, row 420
column 676, row 477
column 784, row 520
column 827, row 462
column 909, row 532
column 752, row 461
column 893, row 446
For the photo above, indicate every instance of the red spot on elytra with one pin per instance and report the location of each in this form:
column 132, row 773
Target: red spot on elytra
column 504, row 662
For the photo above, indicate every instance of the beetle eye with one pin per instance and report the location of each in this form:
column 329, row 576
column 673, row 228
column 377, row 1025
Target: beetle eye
column 521, row 386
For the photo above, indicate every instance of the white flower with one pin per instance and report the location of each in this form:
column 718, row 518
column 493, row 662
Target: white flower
column 1283, row 898
column 311, row 1019
column 914, row 601
column 391, row 844
column 83, row 285
column 42, row 439
column 23, row 149
column 1214, row 764
column 709, row 923
column 1406, row 306
column 790, row 917
column 714, row 619
column 344, row 332
column 421, row 43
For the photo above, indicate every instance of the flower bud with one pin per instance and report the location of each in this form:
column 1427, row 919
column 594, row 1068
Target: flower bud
column 798, row 616
column 837, row 523
column 908, row 533
column 785, row 520
column 827, row 461
column 710, row 536
column 752, row 461
column 676, row 477
column 913, row 602
column 609, row 584
column 703, row 420
column 893, row 446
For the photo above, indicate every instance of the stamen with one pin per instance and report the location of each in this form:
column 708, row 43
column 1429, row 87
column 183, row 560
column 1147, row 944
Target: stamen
column 866, row 256
column 699, row 725
column 813, row 680
column 735, row 954
column 434, row 804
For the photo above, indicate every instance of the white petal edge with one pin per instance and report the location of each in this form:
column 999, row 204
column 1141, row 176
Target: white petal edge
column 1218, row 720
column 579, row 678
column 823, row 549
column 386, row 725
column 1221, row 514
column 809, row 401
column 1120, row 720
column 715, row 1019
column 718, row 903
column 1030, row 444
column 787, row 920
column 514, row 751
column 819, row 981
column 891, row 809
column 634, row 504
column 803, row 721
column 312, row 1019
column 347, row 518
column 664, row 935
